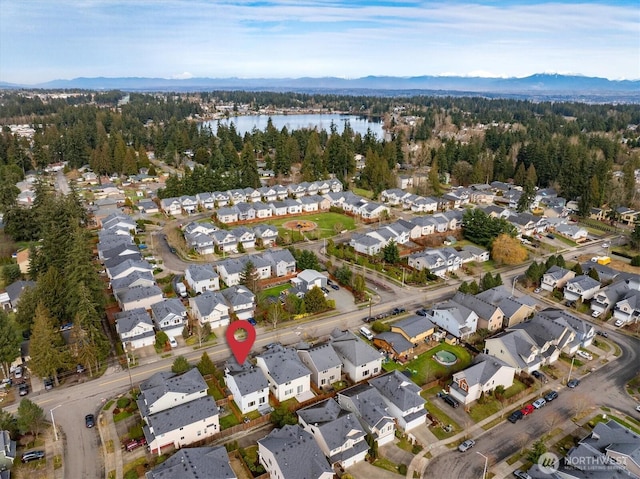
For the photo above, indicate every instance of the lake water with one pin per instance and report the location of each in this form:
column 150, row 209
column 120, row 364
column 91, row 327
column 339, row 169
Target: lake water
column 358, row 124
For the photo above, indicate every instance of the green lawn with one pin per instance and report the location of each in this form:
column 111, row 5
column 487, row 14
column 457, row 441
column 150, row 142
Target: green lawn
column 386, row 464
column 444, row 419
column 228, row 421
column 276, row 290
column 490, row 406
column 362, row 192
column 426, row 369
column 325, row 222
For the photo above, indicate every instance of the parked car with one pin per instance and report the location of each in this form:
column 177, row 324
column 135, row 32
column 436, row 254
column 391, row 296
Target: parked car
column 573, row 383
column 604, row 334
column 32, row 456
column 596, row 314
column 48, row 383
column 541, row 377
column 368, row 319
column 466, row 445
column 618, row 323
column 252, row 321
column 23, row 389
column 172, row 342
column 17, row 373
column 528, row 409
column 521, row 474
column 584, row 354
column 538, row 403
column 324, row 290
column 605, row 245
column 450, row 401
column 515, row 416
column 397, row 311
column 638, row 408
column 421, row 312
column 133, row 444
column 80, row 369
column 89, row 420
column 334, row 287
column 550, row 396
column 537, row 290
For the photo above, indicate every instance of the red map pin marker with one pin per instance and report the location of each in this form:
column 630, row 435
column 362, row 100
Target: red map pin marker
column 240, row 349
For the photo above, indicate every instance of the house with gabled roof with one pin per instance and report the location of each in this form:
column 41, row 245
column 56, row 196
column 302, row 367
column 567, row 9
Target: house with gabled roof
column 246, row 211
column 551, row 336
column 556, row 277
column 139, row 297
column 413, row 230
column 201, row 278
column 403, row 399
column 171, row 206
column 517, row 349
column 229, row 270
column 248, row 385
column 225, row 241
column 267, row 193
column 210, row 308
column 394, row 344
column 262, row 210
column 15, row 290
column 483, row 376
column 252, row 195
column 337, row 432
column 366, row 244
column 221, row 198
column 237, row 196
column 135, row 328
column 267, row 234
column 322, row 187
column 490, row 316
column 415, row 329
column 241, row 301
column 607, row 298
column 288, row 377
column 581, row 287
column 372, row 411
column 324, row 364
column 454, row 318
column 584, row 331
column 292, row 453
column 177, row 410
column 7, row 452
column 628, row 307
column 195, row 463
column 279, row 208
column 572, row 232
column 201, row 243
column 393, row 196
column 123, row 251
column 373, row 210
column 426, row 224
column 136, row 278
column 282, row 192
column 359, row 360
column 309, row 204
column 170, row 316
column 244, row 236
column 514, row 309
column 127, row 267
column 119, row 221
column 189, row 204
column 281, row 260
column 116, row 260
column 206, row 201
column 228, row 214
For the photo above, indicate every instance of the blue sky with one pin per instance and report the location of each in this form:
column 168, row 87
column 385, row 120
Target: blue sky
column 42, row 40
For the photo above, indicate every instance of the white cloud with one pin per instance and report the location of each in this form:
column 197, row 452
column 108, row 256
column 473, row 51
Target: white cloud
column 182, row 76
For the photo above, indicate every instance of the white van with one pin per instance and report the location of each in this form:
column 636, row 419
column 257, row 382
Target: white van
column 366, row 333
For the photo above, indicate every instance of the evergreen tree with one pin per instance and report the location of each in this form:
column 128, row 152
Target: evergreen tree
column 315, row 301
column 249, row 277
column 46, row 347
column 390, row 253
column 10, row 341
column 206, row 366
column 180, row 365
column 31, row 417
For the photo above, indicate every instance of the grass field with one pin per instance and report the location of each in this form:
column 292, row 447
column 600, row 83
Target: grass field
column 326, row 224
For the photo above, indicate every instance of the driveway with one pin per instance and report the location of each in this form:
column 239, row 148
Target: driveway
column 395, row 454
column 365, row 470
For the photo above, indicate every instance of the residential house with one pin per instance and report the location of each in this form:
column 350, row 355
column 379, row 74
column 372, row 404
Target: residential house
column 490, row 316
column 246, row 211
column 584, row 331
column 471, row 253
column 515, row 309
column 291, row 453
column 266, row 235
column 372, row 411
column 171, row 206
column 414, row 329
column 288, row 377
column 572, row 232
column 136, row 278
column 282, row 192
column 230, row 270
column 279, row 208
column 455, row 318
column 296, row 191
column 201, row 243
column 7, row 450
column 201, row 278
column 338, row 432
column 483, row 376
column 210, row 307
column 393, row 196
column 119, row 221
column 139, row 297
column 237, row 196
column 228, row 214
column 135, row 328
column 627, row 308
column 373, row 210
column 394, row 344
column 244, row 236
column 324, row 364
column 402, row 396
column 127, row 267
column 293, row 207
column 111, row 263
column 206, row 201
column 282, row 262
column 253, row 196
column 437, row 261
column 169, row 316
column 309, row 279
column 195, row 463
column 556, row 278
column 517, row 349
column 123, row 251
column 627, row 215
column 189, row 204
column 550, row 335
column 262, row 210
column 267, row 193
column 248, row 385
column 225, row 241
column 426, row 224
column 221, row 198
column 177, row 410
column 366, row 244
column 359, row 360
column 581, row 287
column 241, row 301
column 14, row 292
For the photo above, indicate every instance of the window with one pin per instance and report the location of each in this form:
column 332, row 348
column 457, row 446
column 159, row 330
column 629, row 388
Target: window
column 323, row 381
column 288, row 392
column 262, row 400
column 375, row 370
column 365, row 373
column 300, row 389
column 251, row 404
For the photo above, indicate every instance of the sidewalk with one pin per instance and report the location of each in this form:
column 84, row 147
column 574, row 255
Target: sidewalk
column 419, row 463
column 111, row 451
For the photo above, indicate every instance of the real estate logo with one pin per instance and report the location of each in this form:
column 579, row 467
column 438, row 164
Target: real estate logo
column 549, row 463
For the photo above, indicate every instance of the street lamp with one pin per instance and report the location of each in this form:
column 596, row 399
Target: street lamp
column 53, row 421
column 486, row 463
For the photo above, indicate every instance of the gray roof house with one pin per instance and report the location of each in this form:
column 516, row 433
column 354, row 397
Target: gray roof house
column 556, row 277
column 584, row 331
column 517, row 349
column 139, row 297
column 201, row 278
column 177, row 410
column 282, row 262
column 15, row 290
column 266, row 233
column 403, row 398
column 359, row 360
column 7, row 450
column 127, row 267
column 135, row 328
column 249, row 387
column 195, row 463
column 117, row 259
column 490, row 316
column 292, row 453
column 169, row 316
column 581, row 287
column 324, row 364
column 137, row 278
column 484, row 375
column 241, row 301
column 372, row 411
column 455, row 318
column 210, row 307
column 337, row 432
column 287, row 376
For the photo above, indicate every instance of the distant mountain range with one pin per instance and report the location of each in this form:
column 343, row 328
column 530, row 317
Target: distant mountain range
column 543, row 85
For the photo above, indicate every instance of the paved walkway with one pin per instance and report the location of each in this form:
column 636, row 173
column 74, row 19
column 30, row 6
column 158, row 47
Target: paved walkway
column 111, row 451
column 419, row 462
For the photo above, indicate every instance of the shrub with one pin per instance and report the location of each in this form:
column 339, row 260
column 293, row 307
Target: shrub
column 402, row 469
column 123, row 402
column 635, row 261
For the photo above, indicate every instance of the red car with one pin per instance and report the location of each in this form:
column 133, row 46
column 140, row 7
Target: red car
column 528, row 409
